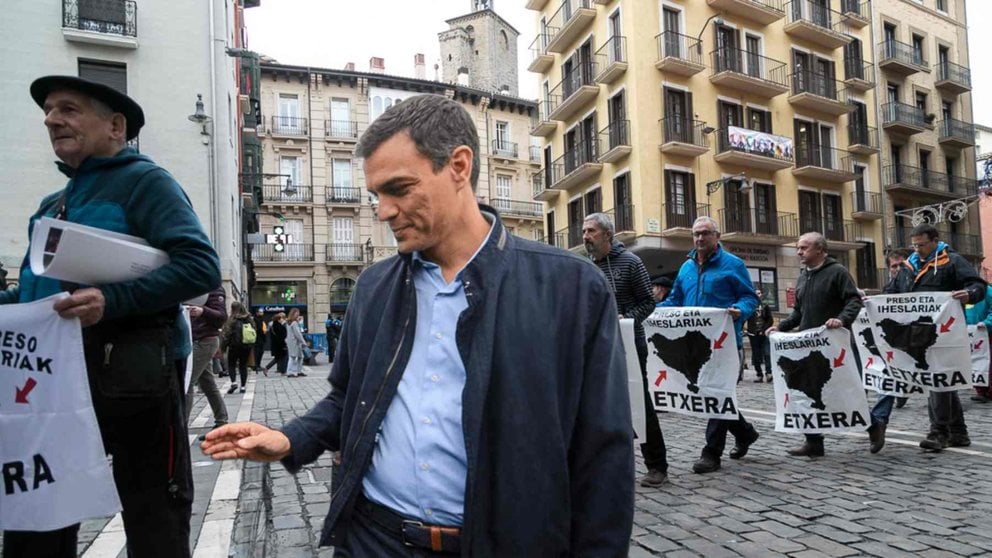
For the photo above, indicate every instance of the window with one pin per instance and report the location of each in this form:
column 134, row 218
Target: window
column 680, row 199
column 105, row 16
column 289, row 181
column 549, row 218
column 503, row 145
column 108, row 73
column 861, row 201
column 341, row 181
column 341, row 293
column 623, row 217
column 942, row 6
column 737, row 208
column 594, row 201
column 576, row 216
column 295, row 250
column 759, row 120
column 921, row 101
column 867, row 268
column 504, row 183
column 289, row 121
column 342, row 248
column 765, row 214
column 341, row 126
column 833, row 222
column 925, row 167
column 504, row 39
column 809, row 212
column 918, row 57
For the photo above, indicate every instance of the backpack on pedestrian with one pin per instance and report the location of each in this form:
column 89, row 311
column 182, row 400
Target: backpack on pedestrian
column 245, row 335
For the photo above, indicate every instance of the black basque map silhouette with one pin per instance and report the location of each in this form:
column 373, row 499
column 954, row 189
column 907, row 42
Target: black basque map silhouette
column 687, row 354
column 808, row 375
column 914, row 338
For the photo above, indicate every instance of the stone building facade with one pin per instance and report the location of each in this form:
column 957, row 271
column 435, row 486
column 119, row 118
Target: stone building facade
column 479, row 50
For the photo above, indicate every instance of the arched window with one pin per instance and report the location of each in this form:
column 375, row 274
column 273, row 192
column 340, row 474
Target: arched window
column 341, row 293
column 504, row 38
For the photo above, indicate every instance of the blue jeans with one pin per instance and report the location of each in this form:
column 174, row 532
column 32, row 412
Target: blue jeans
column 882, row 410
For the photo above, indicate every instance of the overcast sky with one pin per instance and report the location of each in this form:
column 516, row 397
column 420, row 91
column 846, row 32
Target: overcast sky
column 331, row 33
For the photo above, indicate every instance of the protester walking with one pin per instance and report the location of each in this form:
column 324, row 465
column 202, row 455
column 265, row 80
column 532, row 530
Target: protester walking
column 277, row 343
column 261, row 332
column 760, row 321
column 239, row 339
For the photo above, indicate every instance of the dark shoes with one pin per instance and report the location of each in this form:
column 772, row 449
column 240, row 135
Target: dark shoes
column 706, row 464
column 901, row 402
column 808, row 449
column 242, row 390
column 232, row 389
column 654, row 478
column 958, row 441
column 740, row 450
column 760, row 379
column 980, row 398
column 934, row 442
column 876, row 435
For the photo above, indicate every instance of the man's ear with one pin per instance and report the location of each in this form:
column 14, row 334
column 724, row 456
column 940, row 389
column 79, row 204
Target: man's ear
column 461, row 164
column 118, row 127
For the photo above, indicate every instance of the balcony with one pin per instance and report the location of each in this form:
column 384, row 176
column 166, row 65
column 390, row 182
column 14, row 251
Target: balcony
column 540, row 59
column 342, row 195
column 504, row 149
column 760, row 11
column 681, row 136
column 862, row 140
column 535, row 153
column 965, row 244
column 289, row 126
column 746, row 148
column 858, row 75
column 901, row 58
column 538, row 188
column 568, row 238
column 900, row 118
column 282, row 253
column 514, row 208
column 953, row 78
column 345, row 254
column 576, row 167
column 679, row 54
column 826, row 164
column 573, row 92
column 536, row 5
column 611, row 59
column 866, row 206
column 818, row 92
column 543, row 126
column 855, row 13
column 102, row 22
column 623, row 222
column 841, row 235
column 286, row 194
column 749, row 72
column 616, row 139
column 955, row 133
column 917, row 182
column 817, row 24
column 568, row 23
column 679, row 218
column 772, row 228
column 346, row 130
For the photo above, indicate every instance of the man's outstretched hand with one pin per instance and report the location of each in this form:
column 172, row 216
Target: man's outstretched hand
column 246, row 440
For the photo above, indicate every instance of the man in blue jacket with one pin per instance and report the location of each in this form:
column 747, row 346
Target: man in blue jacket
column 713, row 277
column 478, row 398
column 113, row 187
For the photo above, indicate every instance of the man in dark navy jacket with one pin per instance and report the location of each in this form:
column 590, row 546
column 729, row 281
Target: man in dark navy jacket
column 479, row 393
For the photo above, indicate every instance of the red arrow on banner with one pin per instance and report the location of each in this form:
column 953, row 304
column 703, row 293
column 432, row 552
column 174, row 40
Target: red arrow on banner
column 839, row 361
column 22, row 393
column 718, row 344
column 889, row 355
column 870, row 360
column 662, row 376
column 786, row 399
column 979, row 344
column 944, row 328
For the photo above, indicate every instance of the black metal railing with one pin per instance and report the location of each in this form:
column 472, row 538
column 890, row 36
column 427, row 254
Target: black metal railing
column 344, row 194
column 859, row 69
column 819, row 85
column 544, row 109
column 811, row 155
column 957, row 129
column 752, row 64
column 583, row 153
column 539, row 46
column 537, row 183
column 114, row 17
column 535, row 153
column 970, row 244
column 949, row 71
column 819, row 15
column 581, row 74
column 677, row 45
column 502, row 148
column 725, row 143
column 564, row 14
column 569, row 237
column 623, row 217
column 752, row 221
column 915, row 177
column 862, row 135
column 896, row 112
column 340, row 128
column 681, row 215
column 896, row 51
column 872, row 278
column 613, row 51
column 683, row 130
column 282, row 252
column 856, row 8
column 866, row 202
column 281, row 193
column 615, row 134
column 514, row 207
column 339, row 252
column 290, row 125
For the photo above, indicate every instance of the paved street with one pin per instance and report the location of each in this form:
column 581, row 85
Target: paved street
column 900, row 502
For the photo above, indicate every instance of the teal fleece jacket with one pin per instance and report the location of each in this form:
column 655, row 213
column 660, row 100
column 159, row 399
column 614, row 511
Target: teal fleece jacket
column 128, row 193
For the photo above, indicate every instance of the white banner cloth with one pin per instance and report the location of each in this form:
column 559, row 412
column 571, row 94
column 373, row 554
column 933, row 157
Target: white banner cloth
column 635, row 385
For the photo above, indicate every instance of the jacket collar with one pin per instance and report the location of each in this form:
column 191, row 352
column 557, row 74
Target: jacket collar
column 91, row 163
column 714, row 257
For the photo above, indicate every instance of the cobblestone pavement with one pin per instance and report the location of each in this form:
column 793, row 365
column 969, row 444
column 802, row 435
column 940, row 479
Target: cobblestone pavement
column 900, row 502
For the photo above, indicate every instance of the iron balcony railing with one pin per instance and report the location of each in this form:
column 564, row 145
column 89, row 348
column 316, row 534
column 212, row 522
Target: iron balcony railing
column 514, row 207
column 856, row 7
column 563, row 15
column 729, row 59
column 681, row 215
column 583, row 153
column 752, row 221
column 895, row 111
column 535, row 153
column 915, row 177
column 758, row 148
column 862, row 135
column 569, row 237
column 290, row 125
column 537, row 183
column 817, row 14
column 623, row 217
column 615, row 134
column 855, row 68
column 683, row 130
column 338, row 252
column 866, row 202
column 581, row 74
column 344, row 194
column 504, row 149
column 539, row 46
column 949, row 71
column 614, row 50
column 341, row 128
column 872, row 278
column 901, row 52
column 957, row 129
column 677, row 45
column 824, row 157
column 114, row 17
column 819, row 85
column 280, row 193
column 544, row 109
column 282, row 252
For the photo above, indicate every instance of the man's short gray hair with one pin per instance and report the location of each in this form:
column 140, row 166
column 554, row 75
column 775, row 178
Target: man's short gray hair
column 709, row 221
column 101, row 108
column 818, row 240
column 436, row 125
column 602, row 221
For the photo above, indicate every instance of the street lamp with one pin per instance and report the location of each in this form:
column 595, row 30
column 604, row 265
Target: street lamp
column 743, row 188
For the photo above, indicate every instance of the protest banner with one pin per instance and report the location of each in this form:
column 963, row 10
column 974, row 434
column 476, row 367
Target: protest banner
column 635, row 384
column 874, row 375
column 817, row 388
column 923, row 339
column 979, row 339
column 693, row 361
column 54, row 467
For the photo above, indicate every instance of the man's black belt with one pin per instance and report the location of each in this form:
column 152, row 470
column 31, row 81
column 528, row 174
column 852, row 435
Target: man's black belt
column 413, row 532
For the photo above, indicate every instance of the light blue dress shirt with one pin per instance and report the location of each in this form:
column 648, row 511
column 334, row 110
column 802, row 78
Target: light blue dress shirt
column 419, row 464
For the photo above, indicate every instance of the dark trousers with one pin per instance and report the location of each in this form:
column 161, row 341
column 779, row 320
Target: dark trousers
column 716, row 429
column 653, row 449
column 368, row 539
column 760, row 354
column 41, row 544
column 259, row 351
column 280, row 361
column 237, row 361
column 946, row 414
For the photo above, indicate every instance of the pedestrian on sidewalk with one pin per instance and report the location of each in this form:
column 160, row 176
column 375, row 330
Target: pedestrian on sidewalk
column 760, row 321
column 206, row 322
column 261, row 332
column 277, row 343
column 980, row 314
column 478, row 398
column 294, row 344
column 239, row 340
